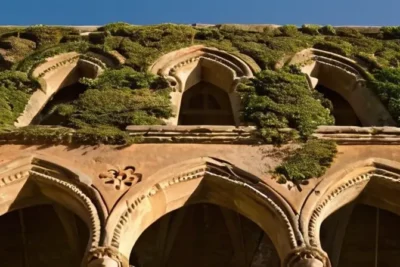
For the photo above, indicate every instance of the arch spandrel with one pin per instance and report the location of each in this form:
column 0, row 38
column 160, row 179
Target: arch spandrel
column 202, row 180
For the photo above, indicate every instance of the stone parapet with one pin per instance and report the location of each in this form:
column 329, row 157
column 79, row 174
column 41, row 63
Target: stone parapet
column 353, row 135
column 195, row 134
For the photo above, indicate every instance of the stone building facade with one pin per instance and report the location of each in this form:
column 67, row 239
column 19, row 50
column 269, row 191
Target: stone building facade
column 196, row 192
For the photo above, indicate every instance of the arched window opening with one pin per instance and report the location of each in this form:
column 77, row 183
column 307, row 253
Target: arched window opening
column 203, row 235
column 49, row 115
column 205, row 104
column 341, row 109
column 370, row 238
column 35, row 236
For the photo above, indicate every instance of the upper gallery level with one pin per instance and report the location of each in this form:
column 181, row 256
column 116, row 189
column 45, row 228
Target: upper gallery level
column 123, row 83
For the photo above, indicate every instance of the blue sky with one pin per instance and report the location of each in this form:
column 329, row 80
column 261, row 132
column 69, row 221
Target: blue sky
column 99, row 12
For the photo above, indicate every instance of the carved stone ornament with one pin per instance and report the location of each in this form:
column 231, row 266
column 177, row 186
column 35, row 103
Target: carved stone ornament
column 307, row 257
column 121, row 178
column 104, row 253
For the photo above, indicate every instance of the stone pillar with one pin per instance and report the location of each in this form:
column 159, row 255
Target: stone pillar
column 106, row 257
column 307, row 257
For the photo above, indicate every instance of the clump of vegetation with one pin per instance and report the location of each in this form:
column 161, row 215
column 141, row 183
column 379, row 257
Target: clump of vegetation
column 46, row 35
column 309, row 161
column 15, row 89
column 32, row 135
column 119, row 98
column 390, row 32
column 327, row 30
column 40, row 55
column 282, row 99
column 289, row 30
column 14, row 49
column 311, row 29
column 386, row 83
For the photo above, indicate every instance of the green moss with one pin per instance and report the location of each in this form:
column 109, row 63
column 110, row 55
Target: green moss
column 348, row 32
column 17, row 81
column 392, row 32
column 128, row 95
column 209, row 34
column 341, row 47
column 45, row 35
column 14, row 49
column 15, row 89
column 119, row 98
column 386, row 83
column 311, row 160
column 289, row 30
column 12, row 104
column 38, row 56
column 282, row 99
column 310, row 29
column 327, row 30
column 33, row 135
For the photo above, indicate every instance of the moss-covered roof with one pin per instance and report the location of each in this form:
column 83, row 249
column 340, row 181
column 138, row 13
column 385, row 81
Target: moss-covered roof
column 127, row 95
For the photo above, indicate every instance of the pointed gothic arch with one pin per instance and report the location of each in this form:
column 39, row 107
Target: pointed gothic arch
column 344, row 81
column 56, row 73
column 190, row 66
column 31, row 180
column 202, row 180
column 366, row 182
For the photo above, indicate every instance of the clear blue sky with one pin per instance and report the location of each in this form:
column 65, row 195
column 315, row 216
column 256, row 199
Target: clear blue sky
column 99, row 12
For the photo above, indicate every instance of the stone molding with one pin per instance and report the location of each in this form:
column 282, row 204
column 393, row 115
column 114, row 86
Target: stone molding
column 95, row 227
column 345, row 191
column 215, row 170
column 330, row 58
column 36, row 168
column 307, row 257
column 353, row 135
column 170, row 64
column 195, row 134
column 107, row 252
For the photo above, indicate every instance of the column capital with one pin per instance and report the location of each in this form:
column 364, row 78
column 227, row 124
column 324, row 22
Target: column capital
column 106, row 257
column 307, row 257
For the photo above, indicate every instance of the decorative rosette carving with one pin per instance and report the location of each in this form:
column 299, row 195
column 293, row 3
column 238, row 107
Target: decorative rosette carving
column 121, row 178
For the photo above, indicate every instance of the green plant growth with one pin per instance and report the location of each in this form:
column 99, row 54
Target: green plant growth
column 128, row 95
column 282, row 99
column 386, row 84
column 15, row 89
column 119, row 98
column 311, row 160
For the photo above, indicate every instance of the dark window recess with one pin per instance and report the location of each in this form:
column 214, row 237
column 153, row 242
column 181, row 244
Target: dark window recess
column 201, row 235
column 205, row 104
column 342, row 111
column 49, row 114
column 370, row 236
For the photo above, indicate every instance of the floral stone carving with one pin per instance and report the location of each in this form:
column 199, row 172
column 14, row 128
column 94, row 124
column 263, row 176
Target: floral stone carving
column 121, row 178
